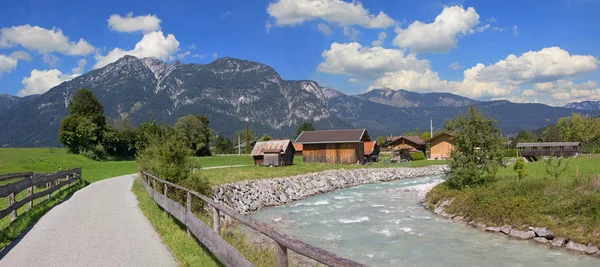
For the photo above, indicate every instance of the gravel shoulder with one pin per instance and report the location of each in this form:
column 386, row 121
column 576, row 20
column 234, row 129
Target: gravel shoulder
column 100, row 225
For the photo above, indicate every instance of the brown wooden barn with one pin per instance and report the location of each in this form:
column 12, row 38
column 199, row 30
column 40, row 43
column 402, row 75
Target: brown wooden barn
column 441, row 146
column 334, row 146
column 410, row 143
column 371, row 151
column 298, row 149
column 273, row 153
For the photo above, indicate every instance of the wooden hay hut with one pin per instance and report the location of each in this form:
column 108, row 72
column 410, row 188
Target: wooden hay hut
column 371, row 151
column 334, row 146
column 441, row 146
column 273, row 153
column 298, row 149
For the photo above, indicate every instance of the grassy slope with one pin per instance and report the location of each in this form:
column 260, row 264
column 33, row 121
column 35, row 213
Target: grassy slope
column 569, row 206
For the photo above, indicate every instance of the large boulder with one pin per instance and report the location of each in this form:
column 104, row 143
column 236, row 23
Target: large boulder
column 506, row 229
column 543, row 232
column 493, row 229
column 576, row 247
column 541, row 240
column 521, row 234
column 559, row 242
column 591, row 249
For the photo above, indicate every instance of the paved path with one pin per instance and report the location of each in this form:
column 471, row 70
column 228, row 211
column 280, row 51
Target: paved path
column 100, row 225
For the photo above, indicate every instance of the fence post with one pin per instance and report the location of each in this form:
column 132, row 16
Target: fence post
column 282, row 258
column 29, row 193
column 216, row 221
column 165, row 199
column 11, row 201
column 153, row 184
column 48, row 185
column 189, row 209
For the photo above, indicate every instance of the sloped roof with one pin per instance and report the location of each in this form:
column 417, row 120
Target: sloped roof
column 333, row 136
column 270, row 146
column 548, row 144
column 298, row 147
column 440, row 134
column 369, row 147
column 412, row 138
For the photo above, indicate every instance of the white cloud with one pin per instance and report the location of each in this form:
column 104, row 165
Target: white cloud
column 295, row 12
column 548, row 64
column 198, row 56
column 21, row 55
column 153, row 44
column 215, row 55
column 455, row 66
column 80, row 65
column 148, row 23
column 226, row 14
column 442, row 34
column 268, row 26
column 380, row 38
column 7, row 64
column 354, row 80
column 351, row 32
column 180, row 56
column 353, row 59
column 51, row 59
column 40, row 81
column 498, row 29
column 43, row 41
column 515, row 30
column 324, row 28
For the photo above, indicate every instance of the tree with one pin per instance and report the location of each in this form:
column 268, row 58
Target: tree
column 524, row 137
column 555, row 168
column 223, row 145
column 417, row 132
column 120, row 139
column 265, row 137
column 426, row 136
column 520, row 168
column 478, row 150
column 194, row 132
column 307, row 126
column 551, row 134
column 381, row 140
column 83, row 129
column 166, row 154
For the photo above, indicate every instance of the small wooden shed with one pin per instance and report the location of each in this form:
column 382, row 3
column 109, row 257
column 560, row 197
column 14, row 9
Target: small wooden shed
column 273, row 153
column 298, row 149
column 441, row 146
column 371, row 151
column 334, row 146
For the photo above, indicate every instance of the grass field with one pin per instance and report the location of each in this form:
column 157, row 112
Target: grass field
column 569, row 206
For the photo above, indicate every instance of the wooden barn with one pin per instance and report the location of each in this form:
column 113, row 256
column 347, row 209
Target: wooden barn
column 298, row 149
column 273, row 153
column 441, row 146
column 410, row 143
column 334, row 146
column 371, row 151
column 532, row 151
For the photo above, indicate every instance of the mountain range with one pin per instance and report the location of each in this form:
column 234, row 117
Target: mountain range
column 585, row 105
column 232, row 92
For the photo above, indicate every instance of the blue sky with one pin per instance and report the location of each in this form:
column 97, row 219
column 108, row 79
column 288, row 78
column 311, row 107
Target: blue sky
column 524, row 51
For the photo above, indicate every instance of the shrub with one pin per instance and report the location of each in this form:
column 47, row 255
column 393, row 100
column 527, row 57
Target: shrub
column 97, row 152
column 510, row 153
column 555, row 168
column 166, row 156
column 520, row 168
column 417, row 156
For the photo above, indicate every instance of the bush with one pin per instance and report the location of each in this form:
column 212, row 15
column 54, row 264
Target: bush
column 166, row 156
column 196, row 183
column 520, row 168
column 417, row 156
column 510, row 153
column 97, row 152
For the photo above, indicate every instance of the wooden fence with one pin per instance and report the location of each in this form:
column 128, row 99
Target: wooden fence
column 29, row 180
column 212, row 240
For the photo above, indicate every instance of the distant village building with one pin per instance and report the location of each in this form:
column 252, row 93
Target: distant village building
column 242, row 146
column 532, row 151
column 334, row 146
column 441, row 145
column 371, row 151
column 298, row 149
column 273, row 153
column 412, row 143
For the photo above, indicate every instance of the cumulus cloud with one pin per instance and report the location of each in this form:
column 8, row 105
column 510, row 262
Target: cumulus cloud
column 21, row 55
column 380, row 38
column 129, row 23
column 40, row 81
column 324, row 28
column 351, row 32
column 154, row 44
column 455, row 66
column 80, row 65
column 442, row 34
column 43, row 40
column 354, row 80
column 353, row 59
column 295, row 12
column 51, row 59
column 7, row 64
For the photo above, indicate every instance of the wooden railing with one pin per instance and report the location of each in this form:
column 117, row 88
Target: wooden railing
column 212, row 240
column 29, row 180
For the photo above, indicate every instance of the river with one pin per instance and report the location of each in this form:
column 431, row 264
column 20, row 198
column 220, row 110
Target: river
column 385, row 225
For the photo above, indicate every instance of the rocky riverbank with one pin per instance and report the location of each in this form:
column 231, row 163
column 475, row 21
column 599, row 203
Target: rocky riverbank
column 249, row 196
column 540, row 235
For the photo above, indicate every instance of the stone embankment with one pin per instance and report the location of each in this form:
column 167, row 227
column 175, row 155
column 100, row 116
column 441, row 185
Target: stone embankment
column 540, row 235
column 249, row 196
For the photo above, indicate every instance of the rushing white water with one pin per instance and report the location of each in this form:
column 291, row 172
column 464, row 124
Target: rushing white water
column 384, row 225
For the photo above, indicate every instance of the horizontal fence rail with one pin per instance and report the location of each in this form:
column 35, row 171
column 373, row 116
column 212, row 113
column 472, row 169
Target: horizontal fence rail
column 28, row 181
column 212, row 239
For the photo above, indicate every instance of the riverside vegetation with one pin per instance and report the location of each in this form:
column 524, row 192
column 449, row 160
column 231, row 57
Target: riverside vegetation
column 561, row 195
